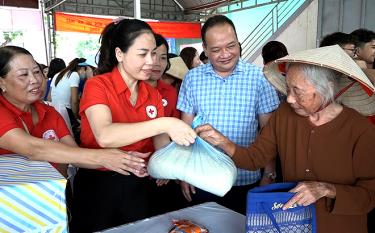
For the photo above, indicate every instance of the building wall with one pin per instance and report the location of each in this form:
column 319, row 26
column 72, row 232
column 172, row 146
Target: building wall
column 301, row 34
column 345, row 16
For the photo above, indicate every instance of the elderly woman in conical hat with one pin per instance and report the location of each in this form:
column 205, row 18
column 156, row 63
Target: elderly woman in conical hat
column 323, row 140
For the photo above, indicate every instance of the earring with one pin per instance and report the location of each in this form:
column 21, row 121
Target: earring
column 3, row 90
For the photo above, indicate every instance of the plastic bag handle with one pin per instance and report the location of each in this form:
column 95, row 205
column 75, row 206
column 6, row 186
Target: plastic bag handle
column 197, row 121
column 275, row 187
column 270, row 215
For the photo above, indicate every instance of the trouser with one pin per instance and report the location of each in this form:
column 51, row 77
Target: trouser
column 76, row 126
column 371, row 221
column 105, row 199
column 235, row 199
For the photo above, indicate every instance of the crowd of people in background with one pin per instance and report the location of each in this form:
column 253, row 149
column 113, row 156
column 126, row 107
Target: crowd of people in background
column 108, row 118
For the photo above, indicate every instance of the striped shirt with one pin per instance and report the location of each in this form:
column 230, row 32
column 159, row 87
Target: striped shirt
column 231, row 105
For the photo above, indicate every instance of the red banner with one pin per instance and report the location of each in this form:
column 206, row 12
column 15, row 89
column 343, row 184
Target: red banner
column 76, row 23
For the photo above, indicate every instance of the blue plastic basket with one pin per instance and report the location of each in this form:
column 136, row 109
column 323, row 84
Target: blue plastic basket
column 265, row 214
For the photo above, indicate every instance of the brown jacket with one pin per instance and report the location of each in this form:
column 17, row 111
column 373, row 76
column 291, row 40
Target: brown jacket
column 341, row 152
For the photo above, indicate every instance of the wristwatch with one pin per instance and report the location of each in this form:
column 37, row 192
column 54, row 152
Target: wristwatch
column 271, row 175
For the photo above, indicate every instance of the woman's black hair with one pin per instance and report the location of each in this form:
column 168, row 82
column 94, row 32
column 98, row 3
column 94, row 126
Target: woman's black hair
column 273, row 50
column 72, row 67
column 160, row 40
column 118, row 35
column 7, row 53
column 187, row 54
column 55, row 66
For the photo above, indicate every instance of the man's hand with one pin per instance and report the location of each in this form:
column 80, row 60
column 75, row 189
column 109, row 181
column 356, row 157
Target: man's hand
column 266, row 180
column 186, row 189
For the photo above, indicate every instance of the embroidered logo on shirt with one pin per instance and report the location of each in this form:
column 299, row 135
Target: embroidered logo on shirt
column 151, row 111
column 164, row 102
column 50, row 135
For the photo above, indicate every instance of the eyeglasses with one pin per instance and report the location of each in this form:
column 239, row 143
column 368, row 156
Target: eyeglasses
column 350, row 51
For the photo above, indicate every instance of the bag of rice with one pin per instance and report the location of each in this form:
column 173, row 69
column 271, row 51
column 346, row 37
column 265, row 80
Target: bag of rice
column 199, row 164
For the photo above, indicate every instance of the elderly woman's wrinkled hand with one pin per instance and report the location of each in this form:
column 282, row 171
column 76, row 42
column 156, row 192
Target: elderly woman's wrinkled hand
column 125, row 162
column 309, row 192
column 211, row 135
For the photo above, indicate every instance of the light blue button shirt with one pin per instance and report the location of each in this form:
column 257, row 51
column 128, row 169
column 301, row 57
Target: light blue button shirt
column 231, row 105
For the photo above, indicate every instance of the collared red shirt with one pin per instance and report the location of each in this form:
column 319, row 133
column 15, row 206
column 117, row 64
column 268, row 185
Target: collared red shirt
column 169, row 94
column 50, row 125
column 232, row 104
column 110, row 89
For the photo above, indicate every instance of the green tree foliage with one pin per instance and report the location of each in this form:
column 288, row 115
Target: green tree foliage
column 88, row 46
column 9, row 36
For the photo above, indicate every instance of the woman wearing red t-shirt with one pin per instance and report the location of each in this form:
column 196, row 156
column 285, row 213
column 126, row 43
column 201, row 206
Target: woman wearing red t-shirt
column 119, row 110
column 161, row 65
column 35, row 130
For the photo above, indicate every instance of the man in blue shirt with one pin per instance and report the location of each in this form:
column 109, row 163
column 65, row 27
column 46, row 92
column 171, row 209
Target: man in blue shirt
column 231, row 95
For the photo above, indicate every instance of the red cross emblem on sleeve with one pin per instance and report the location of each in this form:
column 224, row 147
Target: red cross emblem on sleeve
column 151, row 111
column 50, row 135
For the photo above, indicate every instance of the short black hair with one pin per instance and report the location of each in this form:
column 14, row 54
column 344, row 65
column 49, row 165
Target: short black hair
column 188, row 54
column 160, row 40
column 339, row 38
column 7, row 54
column 203, row 56
column 213, row 21
column 273, row 50
column 363, row 36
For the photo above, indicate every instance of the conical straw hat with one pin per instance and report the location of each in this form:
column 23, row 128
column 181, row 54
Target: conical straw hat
column 178, row 68
column 358, row 96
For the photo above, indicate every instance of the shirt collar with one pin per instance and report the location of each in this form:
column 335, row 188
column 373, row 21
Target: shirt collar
column 143, row 93
column 18, row 112
column 121, row 87
column 118, row 81
column 239, row 68
column 162, row 85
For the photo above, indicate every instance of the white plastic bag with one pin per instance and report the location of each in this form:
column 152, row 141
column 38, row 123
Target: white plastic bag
column 200, row 165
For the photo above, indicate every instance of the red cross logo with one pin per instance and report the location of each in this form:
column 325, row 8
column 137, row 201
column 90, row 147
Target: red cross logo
column 50, row 135
column 151, row 111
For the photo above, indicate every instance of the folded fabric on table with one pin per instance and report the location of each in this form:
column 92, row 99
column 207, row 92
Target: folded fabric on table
column 32, row 196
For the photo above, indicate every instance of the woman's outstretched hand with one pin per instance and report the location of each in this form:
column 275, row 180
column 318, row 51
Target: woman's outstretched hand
column 124, row 162
column 180, row 132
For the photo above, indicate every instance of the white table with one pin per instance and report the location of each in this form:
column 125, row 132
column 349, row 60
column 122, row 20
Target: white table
column 216, row 218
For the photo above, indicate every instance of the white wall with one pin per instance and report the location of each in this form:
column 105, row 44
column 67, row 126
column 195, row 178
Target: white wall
column 301, row 34
column 29, row 22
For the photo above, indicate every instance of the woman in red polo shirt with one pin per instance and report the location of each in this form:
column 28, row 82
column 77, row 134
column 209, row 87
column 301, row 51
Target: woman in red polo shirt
column 164, row 198
column 25, row 121
column 119, row 110
column 161, row 65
